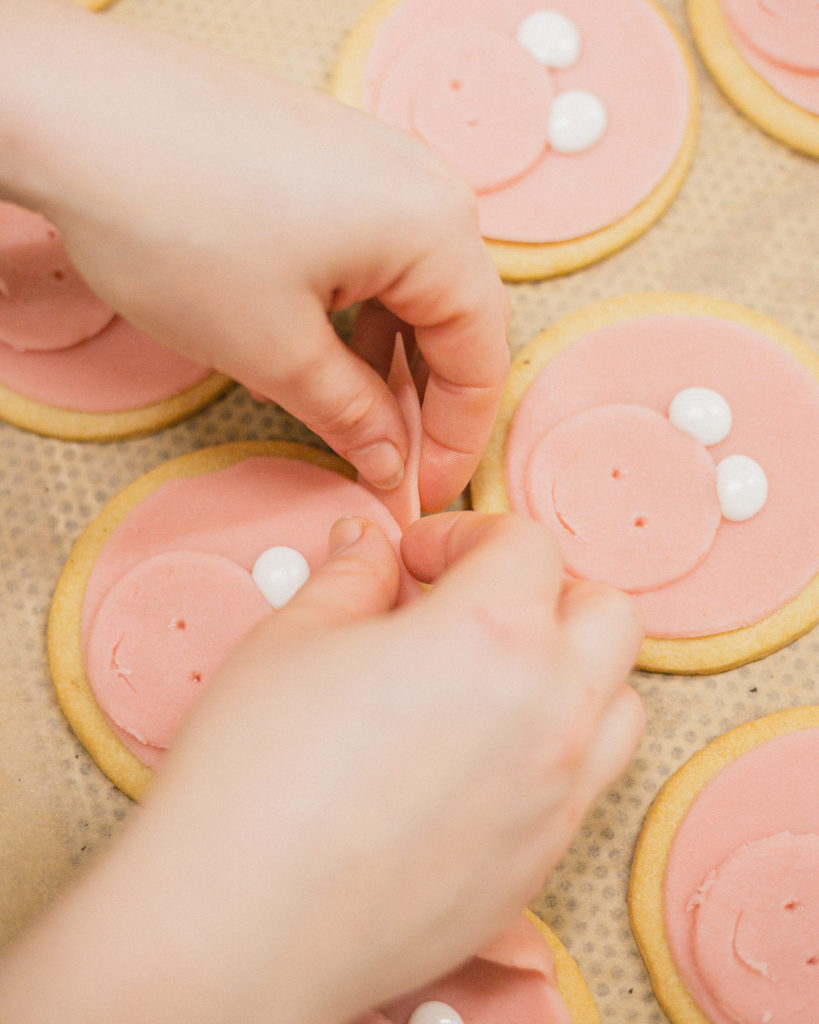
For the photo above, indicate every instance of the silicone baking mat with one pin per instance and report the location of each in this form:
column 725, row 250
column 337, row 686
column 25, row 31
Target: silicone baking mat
column 745, row 227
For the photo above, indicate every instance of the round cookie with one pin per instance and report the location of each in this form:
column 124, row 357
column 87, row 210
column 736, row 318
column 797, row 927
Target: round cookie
column 723, row 898
column 126, row 606
column 766, row 63
column 499, row 109
column 583, row 441
column 525, row 974
column 70, row 368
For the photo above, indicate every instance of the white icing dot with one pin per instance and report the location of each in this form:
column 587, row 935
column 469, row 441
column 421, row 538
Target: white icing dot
column 550, row 37
column 577, row 120
column 701, row 413
column 435, row 1013
column 279, row 572
column 742, row 487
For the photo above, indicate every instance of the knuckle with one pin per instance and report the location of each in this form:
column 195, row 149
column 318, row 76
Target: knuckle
column 348, row 421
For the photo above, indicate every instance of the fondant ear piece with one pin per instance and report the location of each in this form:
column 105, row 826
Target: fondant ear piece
column 279, row 572
column 742, row 487
column 551, row 38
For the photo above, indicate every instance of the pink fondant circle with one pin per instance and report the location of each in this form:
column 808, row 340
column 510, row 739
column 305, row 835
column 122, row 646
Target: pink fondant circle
column 44, row 303
column 784, row 31
column 484, row 132
column 234, row 513
column 160, row 633
column 119, row 369
column 756, row 931
column 767, row 791
column 631, row 499
column 797, row 86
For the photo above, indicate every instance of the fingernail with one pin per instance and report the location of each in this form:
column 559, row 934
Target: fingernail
column 344, row 533
column 379, row 463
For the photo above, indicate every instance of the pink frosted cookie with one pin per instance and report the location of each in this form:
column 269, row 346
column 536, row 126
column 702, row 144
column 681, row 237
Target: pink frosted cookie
column 658, row 436
column 525, row 976
column 574, row 122
column 69, row 368
column 172, row 573
column 764, row 55
column 724, row 894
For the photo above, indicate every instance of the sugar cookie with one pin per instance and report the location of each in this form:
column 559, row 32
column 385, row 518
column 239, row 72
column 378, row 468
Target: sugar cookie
column 725, row 570
column 71, row 369
column 765, row 58
column 575, row 123
column 723, row 896
column 135, row 629
column 524, row 975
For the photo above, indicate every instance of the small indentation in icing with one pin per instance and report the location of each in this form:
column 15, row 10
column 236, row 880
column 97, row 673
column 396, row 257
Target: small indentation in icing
column 742, row 487
column 435, row 1012
column 552, row 38
column 577, row 120
column 279, row 573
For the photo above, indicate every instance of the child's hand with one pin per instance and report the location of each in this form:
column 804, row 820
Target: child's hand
column 364, row 795
column 226, row 212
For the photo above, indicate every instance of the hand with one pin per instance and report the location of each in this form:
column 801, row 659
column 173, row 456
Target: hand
column 227, row 211
column 364, row 795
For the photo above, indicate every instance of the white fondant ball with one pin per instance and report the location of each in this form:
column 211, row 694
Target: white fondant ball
column 742, row 487
column 702, row 414
column 279, row 572
column 550, row 37
column 577, row 120
column 435, row 1013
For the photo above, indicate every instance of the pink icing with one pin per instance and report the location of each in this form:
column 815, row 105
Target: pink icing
column 44, row 304
column 483, row 132
column 753, row 567
column 153, row 646
column 779, row 39
column 560, row 196
column 785, row 31
column 510, row 981
column 742, row 887
column 628, row 522
column 118, row 369
column 236, row 513
column 756, row 931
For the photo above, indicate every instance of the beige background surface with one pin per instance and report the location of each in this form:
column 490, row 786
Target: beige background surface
column 745, row 227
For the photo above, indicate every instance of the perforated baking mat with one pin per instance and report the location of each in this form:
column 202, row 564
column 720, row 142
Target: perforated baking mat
column 745, row 227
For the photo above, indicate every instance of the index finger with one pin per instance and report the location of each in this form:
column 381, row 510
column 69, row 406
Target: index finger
column 460, row 309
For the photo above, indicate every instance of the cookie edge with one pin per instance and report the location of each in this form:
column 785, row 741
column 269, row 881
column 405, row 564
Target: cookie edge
column 745, row 88
column 65, row 659
column 703, row 655
column 526, row 261
column 669, row 807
